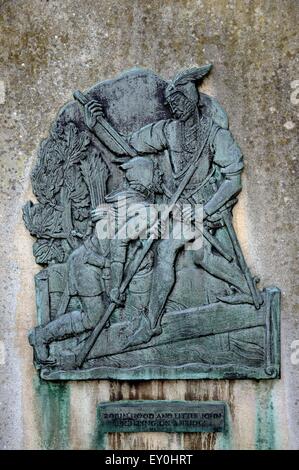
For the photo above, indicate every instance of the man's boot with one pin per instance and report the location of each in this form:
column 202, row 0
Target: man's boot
column 69, row 324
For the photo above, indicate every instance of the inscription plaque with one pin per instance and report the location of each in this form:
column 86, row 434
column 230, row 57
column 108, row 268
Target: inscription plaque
column 159, row 416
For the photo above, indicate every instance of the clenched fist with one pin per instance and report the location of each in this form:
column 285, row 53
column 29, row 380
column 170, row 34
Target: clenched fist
column 92, row 110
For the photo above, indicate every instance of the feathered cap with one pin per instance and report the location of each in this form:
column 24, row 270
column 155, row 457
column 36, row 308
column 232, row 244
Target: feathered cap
column 185, row 82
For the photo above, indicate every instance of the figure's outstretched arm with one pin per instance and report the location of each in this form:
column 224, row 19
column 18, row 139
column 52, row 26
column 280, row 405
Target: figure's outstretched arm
column 229, row 158
column 230, row 187
column 149, row 139
column 96, row 122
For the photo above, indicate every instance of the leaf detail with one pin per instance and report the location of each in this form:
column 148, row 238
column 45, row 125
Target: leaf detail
column 67, row 180
column 48, row 250
column 41, row 220
column 95, row 173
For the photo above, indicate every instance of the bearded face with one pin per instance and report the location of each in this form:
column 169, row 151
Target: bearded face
column 181, row 107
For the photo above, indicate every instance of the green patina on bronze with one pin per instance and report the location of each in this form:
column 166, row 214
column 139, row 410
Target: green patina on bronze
column 139, row 304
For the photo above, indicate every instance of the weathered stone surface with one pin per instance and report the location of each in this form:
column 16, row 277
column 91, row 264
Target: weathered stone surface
column 50, row 48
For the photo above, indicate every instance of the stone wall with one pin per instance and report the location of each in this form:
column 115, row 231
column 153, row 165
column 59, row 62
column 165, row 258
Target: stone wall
column 50, row 48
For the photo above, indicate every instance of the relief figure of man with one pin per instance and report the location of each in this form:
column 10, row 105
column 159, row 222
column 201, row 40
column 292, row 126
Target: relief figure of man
column 87, row 266
column 215, row 184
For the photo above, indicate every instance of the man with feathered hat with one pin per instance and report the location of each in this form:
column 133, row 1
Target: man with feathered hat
column 199, row 126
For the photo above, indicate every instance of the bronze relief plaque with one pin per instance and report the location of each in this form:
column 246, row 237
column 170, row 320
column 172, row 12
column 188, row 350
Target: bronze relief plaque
column 143, row 276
